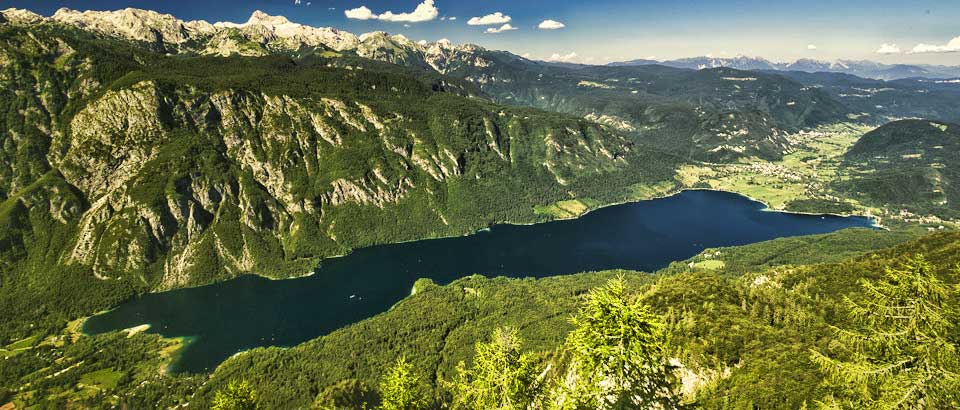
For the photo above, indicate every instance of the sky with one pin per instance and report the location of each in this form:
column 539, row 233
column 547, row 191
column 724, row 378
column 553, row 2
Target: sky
column 601, row 31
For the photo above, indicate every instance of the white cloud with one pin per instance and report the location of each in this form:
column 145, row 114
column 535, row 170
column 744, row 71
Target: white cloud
column 888, row 49
column 811, row 46
column 490, row 19
column 360, row 13
column 551, row 25
column 425, row 11
column 953, row 46
column 452, row 18
column 501, row 29
column 563, row 58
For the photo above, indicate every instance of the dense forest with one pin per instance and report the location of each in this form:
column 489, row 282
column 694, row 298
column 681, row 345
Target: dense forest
column 761, row 333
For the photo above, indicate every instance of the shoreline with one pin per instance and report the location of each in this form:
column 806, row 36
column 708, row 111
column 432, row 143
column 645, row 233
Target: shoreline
column 766, row 207
column 671, row 193
column 186, row 341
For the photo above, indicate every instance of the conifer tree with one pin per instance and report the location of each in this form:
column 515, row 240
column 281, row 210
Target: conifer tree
column 400, row 389
column 502, row 378
column 899, row 356
column 237, row 396
column 616, row 351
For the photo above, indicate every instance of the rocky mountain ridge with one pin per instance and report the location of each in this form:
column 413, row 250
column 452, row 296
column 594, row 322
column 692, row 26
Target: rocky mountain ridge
column 261, row 34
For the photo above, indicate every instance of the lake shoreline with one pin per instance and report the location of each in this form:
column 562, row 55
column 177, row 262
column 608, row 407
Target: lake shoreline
column 672, row 193
column 641, row 235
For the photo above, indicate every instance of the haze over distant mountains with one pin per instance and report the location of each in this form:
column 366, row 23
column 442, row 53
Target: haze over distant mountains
column 860, row 68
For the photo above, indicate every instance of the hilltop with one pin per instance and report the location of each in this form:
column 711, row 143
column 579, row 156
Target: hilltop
column 914, row 164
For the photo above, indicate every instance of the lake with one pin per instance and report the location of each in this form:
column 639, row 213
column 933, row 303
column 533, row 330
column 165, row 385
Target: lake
column 250, row 311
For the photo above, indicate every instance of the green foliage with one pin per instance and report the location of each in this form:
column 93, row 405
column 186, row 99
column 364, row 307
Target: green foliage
column 346, row 394
column 400, row 388
column 910, row 164
column 237, row 396
column 801, row 250
column 741, row 326
column 501, row 377
column 900, row 355
column 820, row 206
column 112, row 370
column 617, row 353
column 732, row 321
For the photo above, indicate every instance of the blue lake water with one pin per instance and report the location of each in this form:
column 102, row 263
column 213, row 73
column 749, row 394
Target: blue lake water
column 251, row 311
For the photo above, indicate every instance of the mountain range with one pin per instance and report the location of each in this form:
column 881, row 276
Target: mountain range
column 262, row 34
column 860, row 68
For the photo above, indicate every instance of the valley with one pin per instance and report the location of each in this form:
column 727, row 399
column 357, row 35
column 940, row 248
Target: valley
column 193, row 210
column 642, row 236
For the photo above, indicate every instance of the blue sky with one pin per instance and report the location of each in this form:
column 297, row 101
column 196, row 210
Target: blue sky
column 599, row 31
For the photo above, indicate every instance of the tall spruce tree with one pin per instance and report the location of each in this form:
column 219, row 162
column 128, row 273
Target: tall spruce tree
column 237, row 396
column 502, row 378
column 400, row 388
column 616, row 351
column 899, row 355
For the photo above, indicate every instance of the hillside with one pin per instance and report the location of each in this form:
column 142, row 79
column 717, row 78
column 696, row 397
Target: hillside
column 714, row 332
column 717, row 116
column 709, row 115
column 912, row 164
column 878, row 101
column 741, row 329
column 144, row 165
column 132, row 171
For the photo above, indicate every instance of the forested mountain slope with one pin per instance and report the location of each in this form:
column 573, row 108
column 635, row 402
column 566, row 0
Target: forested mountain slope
column 878, row 101
column 740, row 328
column 914, row 164
column 742, row 337
column 131, row 171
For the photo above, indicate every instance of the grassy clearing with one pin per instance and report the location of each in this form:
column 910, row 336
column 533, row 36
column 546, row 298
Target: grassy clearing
column 640, row 192
column 712, row 264
column 571, row 208
column 19, row 346
column 106, row 379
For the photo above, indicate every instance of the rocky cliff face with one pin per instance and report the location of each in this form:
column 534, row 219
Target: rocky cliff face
column 282, row 161
column 173, row 184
